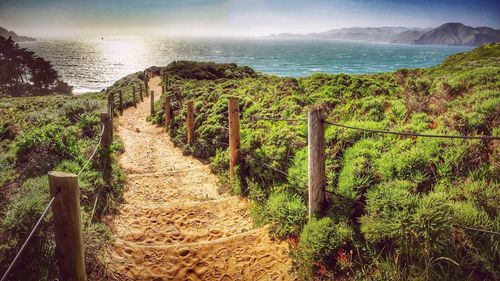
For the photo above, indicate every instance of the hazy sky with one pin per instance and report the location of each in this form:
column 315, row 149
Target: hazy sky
column 95, row 18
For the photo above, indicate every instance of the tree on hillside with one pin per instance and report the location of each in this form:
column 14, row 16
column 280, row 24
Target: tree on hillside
column 23, row 73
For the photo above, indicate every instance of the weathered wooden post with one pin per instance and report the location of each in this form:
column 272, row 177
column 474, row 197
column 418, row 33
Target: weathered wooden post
column 167, row 112
column 112, row 105
column 67, row 226
column 234, row 135
column 140, row 92
column 133, row 96
column 121, row 101
column 162, row 89
column 146, row 85
column 316, row 160
column 107, row 139
column 190, row 122
column 152, row 103
column 107, row 135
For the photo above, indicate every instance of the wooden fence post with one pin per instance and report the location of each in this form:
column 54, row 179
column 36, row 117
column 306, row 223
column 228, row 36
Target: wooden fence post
column 167, row 112
column 133, row 96
column 107, row 140
column 67, row 226
column 121, row 102
column 107, row 136
column 234, row 135
column 190, row 122
column 112, row 105
column 146, row 86
column 140, row 92
column 316, row 160
column 162, row 89
column 152, row 103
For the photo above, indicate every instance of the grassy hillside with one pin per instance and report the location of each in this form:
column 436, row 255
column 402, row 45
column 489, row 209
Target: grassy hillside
column 40, row 134
column 396, row 205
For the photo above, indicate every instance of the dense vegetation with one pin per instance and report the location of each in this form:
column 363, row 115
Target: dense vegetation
column 396, row 205
column 39, row 134
column 22, row 73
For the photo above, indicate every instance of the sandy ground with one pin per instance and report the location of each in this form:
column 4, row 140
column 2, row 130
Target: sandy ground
column 174, row 225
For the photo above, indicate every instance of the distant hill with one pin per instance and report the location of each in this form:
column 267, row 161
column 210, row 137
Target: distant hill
column 457, row 34
column 370, row 34
column 6, row 34
column 407, row 37
column 446, row 34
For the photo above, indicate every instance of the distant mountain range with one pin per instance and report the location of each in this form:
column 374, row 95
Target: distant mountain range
column 455, row 34
column 6, row 34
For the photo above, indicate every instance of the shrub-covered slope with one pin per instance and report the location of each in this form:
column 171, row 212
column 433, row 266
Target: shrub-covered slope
column 40, row 134
column 397, row 206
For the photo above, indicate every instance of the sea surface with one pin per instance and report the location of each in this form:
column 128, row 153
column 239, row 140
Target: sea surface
column 92, row 65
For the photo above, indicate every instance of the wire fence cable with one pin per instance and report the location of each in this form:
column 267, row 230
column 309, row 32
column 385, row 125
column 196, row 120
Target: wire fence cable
column 4, row 277
column 95, row 150
column 256, row 118
column 93, row 209
column 381, row 131
column 481, row 230
column 413, row 134
column 276, row 169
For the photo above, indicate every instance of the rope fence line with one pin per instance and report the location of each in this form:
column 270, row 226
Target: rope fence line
column 256, row 118
column 412, row 134
column 95, row 150
column 381, row 131
column 275, row 169
column 287, row 175
column 4, row 277
column 93, row 209
column 219, row 142
column 480, row 230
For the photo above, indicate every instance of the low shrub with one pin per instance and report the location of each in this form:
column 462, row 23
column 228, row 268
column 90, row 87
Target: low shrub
column 319, row 241
column 427, row 238
column 42, row 149
column 287, row 213
column 389, row 207
column 358, row 171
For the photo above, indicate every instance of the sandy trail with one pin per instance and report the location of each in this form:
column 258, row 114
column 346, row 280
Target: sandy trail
column 174, row 225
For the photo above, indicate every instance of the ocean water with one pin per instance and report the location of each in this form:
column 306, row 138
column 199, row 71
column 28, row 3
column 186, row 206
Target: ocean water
column 95, row 64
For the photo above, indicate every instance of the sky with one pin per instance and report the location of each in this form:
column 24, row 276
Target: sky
column 96, row 18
